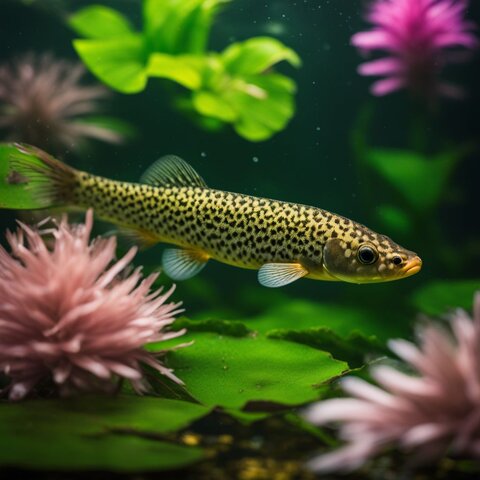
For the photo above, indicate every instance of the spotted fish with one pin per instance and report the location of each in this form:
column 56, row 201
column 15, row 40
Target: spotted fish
column 172, row 204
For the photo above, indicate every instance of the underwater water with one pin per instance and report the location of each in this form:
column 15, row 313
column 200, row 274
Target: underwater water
column 404, row 164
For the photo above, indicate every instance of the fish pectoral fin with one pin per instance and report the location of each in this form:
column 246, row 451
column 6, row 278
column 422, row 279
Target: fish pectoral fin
column 276, row 275
column 182, row 263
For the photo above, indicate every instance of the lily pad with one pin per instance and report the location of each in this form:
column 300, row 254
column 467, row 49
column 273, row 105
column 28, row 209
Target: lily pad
column 96, row 433
column 231, row 372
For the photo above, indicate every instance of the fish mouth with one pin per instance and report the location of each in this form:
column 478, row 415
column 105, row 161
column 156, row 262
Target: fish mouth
column 413, row 266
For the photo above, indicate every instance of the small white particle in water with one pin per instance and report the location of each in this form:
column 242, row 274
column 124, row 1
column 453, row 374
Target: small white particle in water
column 255, row 159
column 317, row 129
column 203, row 154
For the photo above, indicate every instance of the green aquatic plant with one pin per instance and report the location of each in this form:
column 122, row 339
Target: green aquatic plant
column 236, row 86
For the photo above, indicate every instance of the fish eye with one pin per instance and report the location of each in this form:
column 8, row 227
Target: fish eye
column 397, row 260
column 367, row 255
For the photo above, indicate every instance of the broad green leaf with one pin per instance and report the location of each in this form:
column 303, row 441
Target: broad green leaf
column 342, row 320
column 118, row 62
column 230, row 372
column 231, row 328
column 179, row 26
column 440, row 297
column 14, row 191
column 98, row 21
column 211, row 105
column 95, row 433
column 419, row 179
column 354, row 348
column 183, row 69
column 257, row 55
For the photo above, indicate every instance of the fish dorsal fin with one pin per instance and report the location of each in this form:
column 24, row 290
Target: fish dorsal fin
column 172, row 171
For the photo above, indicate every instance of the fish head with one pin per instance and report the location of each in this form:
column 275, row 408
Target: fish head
column 368, row 257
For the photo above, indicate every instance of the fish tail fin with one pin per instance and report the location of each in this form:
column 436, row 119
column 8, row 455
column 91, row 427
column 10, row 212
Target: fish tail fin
column 50, row 181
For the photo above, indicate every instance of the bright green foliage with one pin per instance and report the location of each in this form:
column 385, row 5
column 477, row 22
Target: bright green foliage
column 440, row 297
column 235, row 86
column 14, row 192
column 230, row 372
column 420, row 180
column 395, row 219
column 96, row 433
column 98, row 21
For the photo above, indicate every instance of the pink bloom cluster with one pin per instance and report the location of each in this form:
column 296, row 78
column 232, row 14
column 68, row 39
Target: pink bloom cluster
column 433, row 413
column 72, row 315
column 419, row 37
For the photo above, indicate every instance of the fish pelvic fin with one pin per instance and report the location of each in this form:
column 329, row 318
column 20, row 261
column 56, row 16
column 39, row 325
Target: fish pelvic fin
column 51, row 181
column 274, row 275
column 172, row 171
column 182, row 263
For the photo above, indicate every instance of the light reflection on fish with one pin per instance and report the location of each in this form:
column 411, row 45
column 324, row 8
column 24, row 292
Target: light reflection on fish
column 172, row 204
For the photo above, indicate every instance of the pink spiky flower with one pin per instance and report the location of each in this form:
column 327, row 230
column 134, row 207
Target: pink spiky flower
column 434, row 413
column 419, row 37
column 43, row 102
column 71, row 314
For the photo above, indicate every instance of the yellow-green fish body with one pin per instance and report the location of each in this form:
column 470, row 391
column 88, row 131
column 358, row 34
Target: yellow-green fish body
column 284, row 241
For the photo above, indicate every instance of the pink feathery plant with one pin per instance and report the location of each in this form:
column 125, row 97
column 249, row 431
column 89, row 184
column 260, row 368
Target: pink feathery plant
column 72, row 315
column 433, row 413
column 419, row 38
column 42, row 102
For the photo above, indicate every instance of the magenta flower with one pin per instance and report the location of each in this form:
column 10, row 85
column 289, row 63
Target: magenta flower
column 72, row 315
column 419, row 37
column 43, row 102
column 433, row 413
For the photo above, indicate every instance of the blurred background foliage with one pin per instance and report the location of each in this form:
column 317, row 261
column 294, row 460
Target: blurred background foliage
column 406, row 171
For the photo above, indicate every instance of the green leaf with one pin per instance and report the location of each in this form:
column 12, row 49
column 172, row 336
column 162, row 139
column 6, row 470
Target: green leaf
column 118, row 62
column 394, row 219
column 179, row 26
column 211, row 105
column 353, row 348
column 419, row 179
column 96, row 433
column 224, row 327
column 256, row 55
column 183, row 69
column 98, row 21
column 230, row 372
column 343, row 320
column 439, row 297
column 14, row 190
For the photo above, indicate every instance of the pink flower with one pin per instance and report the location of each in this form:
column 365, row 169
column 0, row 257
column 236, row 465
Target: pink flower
column 42, row 102
column 419, row 37
column 73, row 315
column 431, row 414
